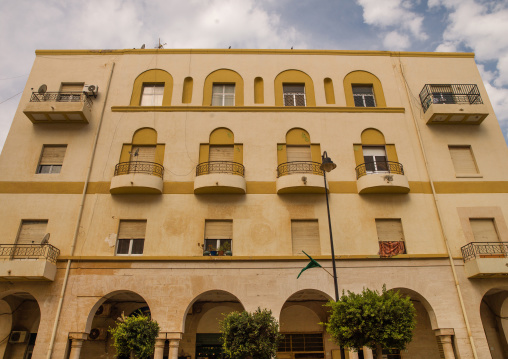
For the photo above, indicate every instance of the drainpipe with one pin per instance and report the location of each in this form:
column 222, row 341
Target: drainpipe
column 78, row 223
column 436, row 203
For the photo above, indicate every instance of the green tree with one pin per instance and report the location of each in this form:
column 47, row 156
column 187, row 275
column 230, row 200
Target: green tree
column 135, row 335
column 378, row 321
column 250, row 335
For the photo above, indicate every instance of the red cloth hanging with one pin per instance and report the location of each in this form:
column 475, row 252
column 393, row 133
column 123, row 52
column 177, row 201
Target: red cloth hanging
column 389, row 249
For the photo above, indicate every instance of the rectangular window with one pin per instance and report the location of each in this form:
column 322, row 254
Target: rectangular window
column 51, row 159
column 463, row 160
column 298, row 153
column 364, row 96
column 484, row 229
column 375, row 159
column 390, row 237
column 143, row 153
column 218, row 236
column 223, row 95
column 32, row 232
column 152, row 95
column 294, row 94
column 131, row 237
column 298, row 342
column 221, row 153
column 71, row 92
column 305, row 237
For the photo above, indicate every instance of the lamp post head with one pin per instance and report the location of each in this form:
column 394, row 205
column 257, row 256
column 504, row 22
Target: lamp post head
column 327, row 164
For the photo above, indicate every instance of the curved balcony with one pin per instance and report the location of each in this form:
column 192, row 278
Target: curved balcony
column 300, row 177
column 137, row 177
column 381, row 177
column 220, row 177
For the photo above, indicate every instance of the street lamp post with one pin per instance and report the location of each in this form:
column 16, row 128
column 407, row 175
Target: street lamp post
column 327, row 165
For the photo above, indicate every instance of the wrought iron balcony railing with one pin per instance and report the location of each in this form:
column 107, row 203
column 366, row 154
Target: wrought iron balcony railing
column 228, row 167
column 449, row 94
column 475, row 250
column 150, row 168
column 289, row 168
column 29, row 251
column 379, row 167
column 61, row 97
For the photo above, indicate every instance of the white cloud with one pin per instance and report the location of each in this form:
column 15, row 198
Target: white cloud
column 395, row 14
column 395, row 41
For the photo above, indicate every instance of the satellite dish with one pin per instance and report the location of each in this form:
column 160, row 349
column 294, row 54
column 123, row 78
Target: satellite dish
column 45, row 240
column 137, row 152
column 42, row 89
column 143, row 46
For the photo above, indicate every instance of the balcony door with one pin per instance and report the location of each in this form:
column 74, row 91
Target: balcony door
column 375, row 159
column 143, row 153
column 298, row 153
column 221, row 153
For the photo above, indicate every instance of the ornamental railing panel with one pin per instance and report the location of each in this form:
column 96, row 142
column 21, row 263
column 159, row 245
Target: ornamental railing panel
column 475, row 250
column 449, row 94
column 150, row 168
column 61, row 97
column 29, row 251
column 379, row 167
column 289, row 168
column 227, row 167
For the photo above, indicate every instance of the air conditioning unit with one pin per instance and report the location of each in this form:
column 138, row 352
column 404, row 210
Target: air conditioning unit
column 103, row 311
column 98, row 334
column 91, row 90
column 18, row 337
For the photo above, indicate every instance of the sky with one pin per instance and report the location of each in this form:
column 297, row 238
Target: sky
column 479, row 26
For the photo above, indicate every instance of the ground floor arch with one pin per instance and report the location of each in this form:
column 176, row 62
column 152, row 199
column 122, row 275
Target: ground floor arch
column 494, row 316
column 19, row 325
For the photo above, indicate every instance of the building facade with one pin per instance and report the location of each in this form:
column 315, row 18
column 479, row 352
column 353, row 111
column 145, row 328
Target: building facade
column 187, row 184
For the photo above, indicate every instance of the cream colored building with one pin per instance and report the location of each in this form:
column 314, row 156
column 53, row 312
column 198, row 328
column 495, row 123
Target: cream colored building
column 187, row 183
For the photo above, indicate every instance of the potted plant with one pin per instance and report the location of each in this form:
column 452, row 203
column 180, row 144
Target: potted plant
column 227, row 248
column 134, row 336
column 221, row 250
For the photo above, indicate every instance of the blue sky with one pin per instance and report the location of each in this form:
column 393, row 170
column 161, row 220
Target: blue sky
column 411, row 25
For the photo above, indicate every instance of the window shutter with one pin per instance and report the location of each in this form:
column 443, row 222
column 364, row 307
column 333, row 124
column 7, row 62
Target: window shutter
column 298, row 153
column 72, row 87
column 53, row 155
column 218, row 229
column 132, row 229
column 462, row 158
column 305, row 237
column 145, row 153
column 293, row 88
column 389, row 230
column 484, row 230
column 32, row 231
column 221, row 153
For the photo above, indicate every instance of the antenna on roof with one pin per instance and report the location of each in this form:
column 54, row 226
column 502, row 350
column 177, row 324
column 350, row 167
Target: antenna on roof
column 160, row 46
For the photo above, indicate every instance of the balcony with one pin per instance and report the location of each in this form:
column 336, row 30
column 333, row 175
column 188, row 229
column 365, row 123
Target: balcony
column 137, row 177
column 59, row 107
column 23, row 262
column 485, row 259
column 300, row 177
column 381, row 177
column 220, row 177
column 453, row 105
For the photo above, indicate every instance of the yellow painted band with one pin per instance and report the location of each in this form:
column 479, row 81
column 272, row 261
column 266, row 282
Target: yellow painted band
column 255, row 52
column 255, row 109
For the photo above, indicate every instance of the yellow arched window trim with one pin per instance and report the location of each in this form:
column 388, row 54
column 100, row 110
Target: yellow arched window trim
column 294, row 77
column 363, row 78
column 223, row 76
column 154, row 76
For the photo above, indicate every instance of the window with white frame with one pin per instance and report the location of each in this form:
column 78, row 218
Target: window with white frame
column 32, row 231
column 294, row 94
column 375, row 159
column 305, row 237
column 131, row 237
column 51, row 160
column 218, row 235
column 152, row 95
column 363, row 96
column 223, row 95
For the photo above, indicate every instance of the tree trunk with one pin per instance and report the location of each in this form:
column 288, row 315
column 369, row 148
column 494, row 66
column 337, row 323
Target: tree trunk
column 379, row 351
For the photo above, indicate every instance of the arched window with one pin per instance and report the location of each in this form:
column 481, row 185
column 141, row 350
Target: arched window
column 223, row 88
column 374, row 152
column 143, row 148
column 221, row 152
column 298, row 150
column 363, row 89
column 152, row 88
column 294, row 88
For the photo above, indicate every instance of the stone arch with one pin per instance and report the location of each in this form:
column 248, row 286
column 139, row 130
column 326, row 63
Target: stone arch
column 360, row 77
column 153, row 76
column 493, row 308
column 294, row 77
column 420, row 298
column 223, row 76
